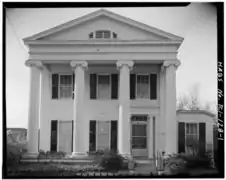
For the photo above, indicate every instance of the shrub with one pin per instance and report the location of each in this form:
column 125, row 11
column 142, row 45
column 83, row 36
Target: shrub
column 13, row 154
column 111, row 160
column 181, row 163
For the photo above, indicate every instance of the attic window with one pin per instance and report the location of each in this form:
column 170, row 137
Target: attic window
column 103, row 34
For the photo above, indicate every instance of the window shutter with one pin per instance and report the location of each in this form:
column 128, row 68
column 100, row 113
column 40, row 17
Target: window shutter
column 53, row 145
column 73, row 86
column 181, row 137
column 132, row 86
column 114, row 135
column 202, row 138
column 93, row 86
column 55, row 81
column 153, row 86
column 92, row 135
column 114, row 86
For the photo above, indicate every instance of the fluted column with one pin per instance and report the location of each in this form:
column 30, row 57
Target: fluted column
column 124, row 135
column 170, row 106
column 78, row 110
column 34, row 103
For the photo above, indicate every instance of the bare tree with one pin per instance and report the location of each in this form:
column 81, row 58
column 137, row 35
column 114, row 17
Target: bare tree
column 190, row 101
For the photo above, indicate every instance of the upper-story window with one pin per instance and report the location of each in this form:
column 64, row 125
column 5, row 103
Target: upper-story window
column 62, row 86
column 143, row 86
column 103, row 34
column 103, row 86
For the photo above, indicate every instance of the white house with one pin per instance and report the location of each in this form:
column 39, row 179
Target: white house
column 105, row 81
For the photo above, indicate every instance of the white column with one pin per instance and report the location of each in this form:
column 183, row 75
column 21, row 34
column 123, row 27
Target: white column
column 124, row 135
column 79, row 109
column 170, row 106
column 161, row 123
column 44, row 142
column 34, row 101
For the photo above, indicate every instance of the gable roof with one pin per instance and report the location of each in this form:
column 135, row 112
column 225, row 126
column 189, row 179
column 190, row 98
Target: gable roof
column 103, row 12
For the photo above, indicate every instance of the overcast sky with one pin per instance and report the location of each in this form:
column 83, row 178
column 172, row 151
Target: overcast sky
column 196, row 23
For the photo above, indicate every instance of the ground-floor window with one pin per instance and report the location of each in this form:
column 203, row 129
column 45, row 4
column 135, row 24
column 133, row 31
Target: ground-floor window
column 103, row 135
column 191, row 137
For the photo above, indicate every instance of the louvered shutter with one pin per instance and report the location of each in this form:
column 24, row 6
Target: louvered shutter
column 114, row 135
column 202, row 138
column 132, row 86
column 181, row 137
column 92, row 135
column 55, row 82
column 93, row 86
column 153, row 86
column 53, row 142
column 114, row 86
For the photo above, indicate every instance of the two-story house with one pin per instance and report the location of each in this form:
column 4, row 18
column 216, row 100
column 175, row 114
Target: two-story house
column 103, row 81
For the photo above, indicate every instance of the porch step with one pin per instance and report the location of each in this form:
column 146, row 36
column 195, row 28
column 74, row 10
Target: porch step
column 58, row 160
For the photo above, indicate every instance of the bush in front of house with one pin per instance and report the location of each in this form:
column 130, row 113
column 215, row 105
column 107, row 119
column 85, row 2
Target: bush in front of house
column 13, row 154
column 182, row 163
column 15, row 149
column 111, row 161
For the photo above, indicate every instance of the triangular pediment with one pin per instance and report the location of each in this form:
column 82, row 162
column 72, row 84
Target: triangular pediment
column 125, row 28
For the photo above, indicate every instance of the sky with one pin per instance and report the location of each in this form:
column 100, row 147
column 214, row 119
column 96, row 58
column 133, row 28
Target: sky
column 196, row 23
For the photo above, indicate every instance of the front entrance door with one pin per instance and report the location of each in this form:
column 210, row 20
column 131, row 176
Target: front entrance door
column 139, row 136
column 103, row 135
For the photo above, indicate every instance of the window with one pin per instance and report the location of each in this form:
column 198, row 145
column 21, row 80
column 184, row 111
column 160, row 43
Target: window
column 142, row 87
column 102, row 34
column 191, row 137
column 66, row 86
column 104, row 87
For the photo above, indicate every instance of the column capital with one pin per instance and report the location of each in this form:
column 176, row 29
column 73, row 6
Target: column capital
column 34, row 63
column 128, row 64
column 82, row 64
column 168, row 63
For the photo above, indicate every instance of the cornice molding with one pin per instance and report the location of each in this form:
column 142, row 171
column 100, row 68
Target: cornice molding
column 102, row 42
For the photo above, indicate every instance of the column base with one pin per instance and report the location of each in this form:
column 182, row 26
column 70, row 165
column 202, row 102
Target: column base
column 30, row 156
column 126, row 155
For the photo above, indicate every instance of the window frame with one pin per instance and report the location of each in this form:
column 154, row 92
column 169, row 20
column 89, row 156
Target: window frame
column 64, row 74
column 136, row 95
column 97, row 86
column 197, row 124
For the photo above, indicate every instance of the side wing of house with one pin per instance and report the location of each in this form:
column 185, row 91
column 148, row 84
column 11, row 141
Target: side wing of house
column 192, row 127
